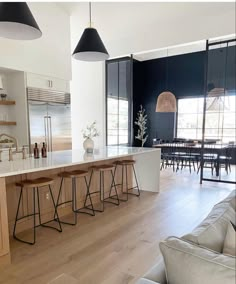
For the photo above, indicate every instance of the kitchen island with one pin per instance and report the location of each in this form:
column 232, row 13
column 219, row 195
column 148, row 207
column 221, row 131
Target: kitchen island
column 147, row 168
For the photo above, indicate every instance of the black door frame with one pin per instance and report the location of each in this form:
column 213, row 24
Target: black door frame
column 130, row 117
column 208, row 45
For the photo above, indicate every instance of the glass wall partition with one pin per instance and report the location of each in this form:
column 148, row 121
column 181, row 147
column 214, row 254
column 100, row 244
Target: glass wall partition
column 218, row 157
column 119, row 101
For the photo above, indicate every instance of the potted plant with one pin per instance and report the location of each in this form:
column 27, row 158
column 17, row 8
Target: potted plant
column 89, row 133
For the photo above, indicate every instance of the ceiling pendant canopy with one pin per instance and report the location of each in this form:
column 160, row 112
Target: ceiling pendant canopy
column 17, row 22
column 90, row 46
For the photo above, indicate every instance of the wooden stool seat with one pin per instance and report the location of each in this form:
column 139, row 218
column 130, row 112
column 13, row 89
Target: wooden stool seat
column 125, row 162
column 75, row 173
column 102, row 168
column 38, row 182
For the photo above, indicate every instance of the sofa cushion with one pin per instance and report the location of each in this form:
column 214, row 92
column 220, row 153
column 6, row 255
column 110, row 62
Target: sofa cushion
column 212, row 231
column 188, row 263
column 230, row 199
column 146, row 281
column 230, row 241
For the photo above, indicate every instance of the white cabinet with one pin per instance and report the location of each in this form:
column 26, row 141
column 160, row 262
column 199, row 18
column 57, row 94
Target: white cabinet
column 48, row 83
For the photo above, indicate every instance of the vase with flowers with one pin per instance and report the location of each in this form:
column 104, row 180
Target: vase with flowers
column 89, row 133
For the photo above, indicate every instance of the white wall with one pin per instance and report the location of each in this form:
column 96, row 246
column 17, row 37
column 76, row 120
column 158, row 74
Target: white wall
column 129, row 28
column 88, row 96
column 51, row 54
column 88, row 92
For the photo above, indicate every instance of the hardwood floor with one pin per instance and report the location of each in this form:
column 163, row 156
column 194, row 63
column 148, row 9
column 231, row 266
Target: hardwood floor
column 119, row 245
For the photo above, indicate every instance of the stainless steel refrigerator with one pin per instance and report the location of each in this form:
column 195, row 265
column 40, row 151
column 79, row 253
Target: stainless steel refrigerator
column 49, row 119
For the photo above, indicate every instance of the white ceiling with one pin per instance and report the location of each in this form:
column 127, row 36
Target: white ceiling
column 134, row 27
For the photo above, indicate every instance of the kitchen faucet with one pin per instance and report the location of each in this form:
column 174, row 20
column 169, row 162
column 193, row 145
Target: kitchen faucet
column 11, row 137
column 16, row 145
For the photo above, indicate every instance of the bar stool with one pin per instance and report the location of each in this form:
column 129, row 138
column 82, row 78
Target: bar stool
column 74, row 175
column 124, row 164
column 102, row 169
column 35, row 185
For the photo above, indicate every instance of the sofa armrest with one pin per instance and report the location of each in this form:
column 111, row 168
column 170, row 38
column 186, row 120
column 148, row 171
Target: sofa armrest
column 157, row 273
column 145, row 281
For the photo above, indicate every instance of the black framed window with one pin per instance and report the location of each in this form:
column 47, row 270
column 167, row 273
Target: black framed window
column 119, row 101
column 220, row 124
column 189, row 118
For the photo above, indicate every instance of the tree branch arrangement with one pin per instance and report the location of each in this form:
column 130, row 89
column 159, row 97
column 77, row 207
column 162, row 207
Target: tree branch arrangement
column 141, row 122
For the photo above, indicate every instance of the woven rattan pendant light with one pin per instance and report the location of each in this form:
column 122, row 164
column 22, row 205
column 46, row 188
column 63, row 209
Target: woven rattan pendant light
column 166, row 101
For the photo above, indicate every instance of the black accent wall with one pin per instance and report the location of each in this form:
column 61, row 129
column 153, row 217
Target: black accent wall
column 185, row 79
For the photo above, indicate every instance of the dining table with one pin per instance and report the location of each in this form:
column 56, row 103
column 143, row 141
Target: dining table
column 196, row 148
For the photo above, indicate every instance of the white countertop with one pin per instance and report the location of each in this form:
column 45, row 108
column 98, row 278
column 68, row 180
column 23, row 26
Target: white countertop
column 62, row 159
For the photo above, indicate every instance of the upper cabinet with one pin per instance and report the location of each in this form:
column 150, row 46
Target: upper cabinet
column 48, row 83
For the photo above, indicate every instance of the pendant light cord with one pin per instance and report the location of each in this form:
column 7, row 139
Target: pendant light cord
column 90, row 15
column 167, row 73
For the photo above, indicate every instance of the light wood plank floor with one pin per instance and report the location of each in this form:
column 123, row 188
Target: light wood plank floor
column 119, row 245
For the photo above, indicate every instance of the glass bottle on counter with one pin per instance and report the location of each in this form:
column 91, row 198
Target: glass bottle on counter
column 44, row 151
column 36, row 151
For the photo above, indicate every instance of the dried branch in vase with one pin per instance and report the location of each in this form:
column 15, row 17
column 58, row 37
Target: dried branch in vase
column 141, row 122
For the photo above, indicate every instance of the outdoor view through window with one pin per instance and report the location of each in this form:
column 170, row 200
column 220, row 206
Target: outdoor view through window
column 117, row 121
column 220, row 123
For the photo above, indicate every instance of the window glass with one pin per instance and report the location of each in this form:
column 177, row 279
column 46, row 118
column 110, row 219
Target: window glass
column 219, row 123
column 118, row 96
column 117, row 121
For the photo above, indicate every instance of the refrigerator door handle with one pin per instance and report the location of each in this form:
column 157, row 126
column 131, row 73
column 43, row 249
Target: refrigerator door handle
column 50, row 132
column 45, row 129
column 47, row 134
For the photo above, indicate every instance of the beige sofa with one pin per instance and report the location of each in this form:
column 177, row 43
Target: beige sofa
column 197, row 257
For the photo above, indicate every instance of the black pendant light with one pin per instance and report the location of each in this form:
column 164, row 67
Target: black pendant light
column 90, row 46
column 17, row 22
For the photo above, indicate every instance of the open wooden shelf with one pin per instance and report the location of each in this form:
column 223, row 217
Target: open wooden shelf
column 7, row 122
column 7, row 103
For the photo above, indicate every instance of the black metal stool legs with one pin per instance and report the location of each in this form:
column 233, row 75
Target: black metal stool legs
column 88, row 195
column 35, row 190
column 55, row 214
column 72, row 201
column 81, row 210
column 102, row 193
column 137, row 186
column 124, row 168
column 17, row 219
column 115, row 196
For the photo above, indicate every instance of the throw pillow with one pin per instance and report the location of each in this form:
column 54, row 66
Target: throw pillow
column 189, row 263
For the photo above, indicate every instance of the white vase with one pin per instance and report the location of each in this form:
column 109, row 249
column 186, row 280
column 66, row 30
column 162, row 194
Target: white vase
column 88, row 145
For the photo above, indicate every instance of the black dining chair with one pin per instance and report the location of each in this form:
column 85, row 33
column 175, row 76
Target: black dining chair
column 168, row 156
column 225, row 158
column 188, row 159
column 209, row 158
